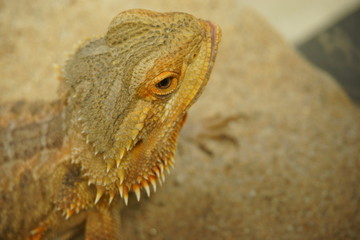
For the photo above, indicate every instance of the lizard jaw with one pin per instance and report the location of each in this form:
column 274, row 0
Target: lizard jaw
column 149, row 165
column 141, row 167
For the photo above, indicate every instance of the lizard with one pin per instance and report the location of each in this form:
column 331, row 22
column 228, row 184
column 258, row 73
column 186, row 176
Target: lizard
column 71, row 163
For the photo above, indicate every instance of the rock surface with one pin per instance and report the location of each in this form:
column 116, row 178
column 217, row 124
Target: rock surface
column 270, row 151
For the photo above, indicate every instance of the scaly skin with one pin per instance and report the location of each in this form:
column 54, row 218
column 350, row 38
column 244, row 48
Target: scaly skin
column 123, row 101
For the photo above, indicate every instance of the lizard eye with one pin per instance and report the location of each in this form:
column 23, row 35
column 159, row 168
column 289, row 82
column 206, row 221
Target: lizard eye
column 164, row 84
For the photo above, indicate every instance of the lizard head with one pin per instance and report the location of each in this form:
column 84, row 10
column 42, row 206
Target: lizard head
column 130, row 91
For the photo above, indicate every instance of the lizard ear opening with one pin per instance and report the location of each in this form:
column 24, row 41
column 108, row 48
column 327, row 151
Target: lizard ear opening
column 164, row 84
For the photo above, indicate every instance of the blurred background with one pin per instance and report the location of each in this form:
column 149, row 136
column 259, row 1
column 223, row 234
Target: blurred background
column 326, row 32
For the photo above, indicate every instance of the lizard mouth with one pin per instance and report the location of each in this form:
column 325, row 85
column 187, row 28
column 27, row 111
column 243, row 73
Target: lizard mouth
column 215, row 35
column 214, row 38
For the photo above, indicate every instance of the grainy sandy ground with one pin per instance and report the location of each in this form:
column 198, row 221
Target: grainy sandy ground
column 270, row 151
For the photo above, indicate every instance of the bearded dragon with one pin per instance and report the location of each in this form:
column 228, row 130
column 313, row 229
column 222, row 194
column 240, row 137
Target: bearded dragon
column 123, row 99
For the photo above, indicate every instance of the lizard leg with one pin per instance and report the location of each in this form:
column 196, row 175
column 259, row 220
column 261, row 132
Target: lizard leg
column 103, row 223
column 37, row 233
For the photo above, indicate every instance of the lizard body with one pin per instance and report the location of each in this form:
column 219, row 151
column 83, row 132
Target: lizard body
column 123, row 101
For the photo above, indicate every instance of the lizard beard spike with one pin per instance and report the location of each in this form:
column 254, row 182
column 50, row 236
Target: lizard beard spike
column 157, row 173
column 143, row 181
